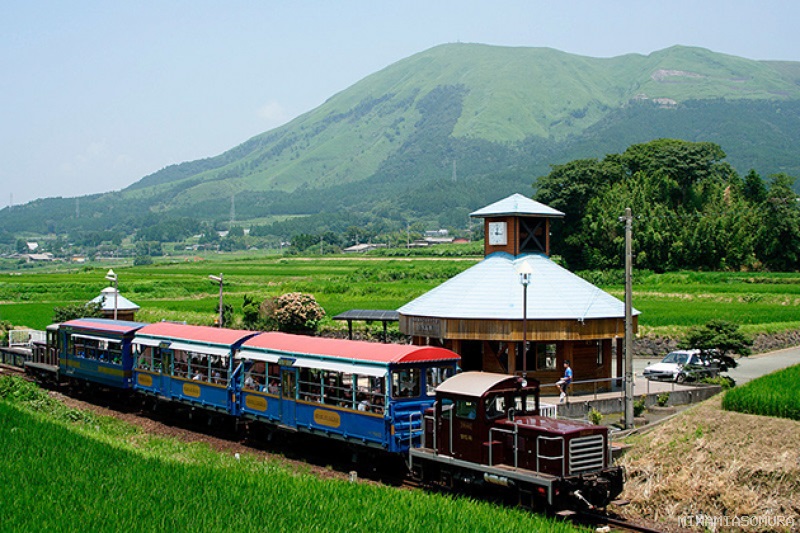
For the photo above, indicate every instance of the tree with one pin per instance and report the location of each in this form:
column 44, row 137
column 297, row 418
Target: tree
column 252, row 318
column 718, row 336
column 754, row 189
column 227, row 315
column 779, row 232
column 71, row 312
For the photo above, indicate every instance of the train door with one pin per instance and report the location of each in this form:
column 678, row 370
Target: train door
column 289, row 396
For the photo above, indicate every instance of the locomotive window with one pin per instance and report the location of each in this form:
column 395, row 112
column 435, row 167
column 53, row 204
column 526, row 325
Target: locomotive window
column 495, row 406
column 435, row 376
column 525, row 404
column 466, row 409
column 447, row 408
column 406, row 383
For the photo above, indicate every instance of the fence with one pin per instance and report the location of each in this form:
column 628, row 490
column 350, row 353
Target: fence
column 25, row 337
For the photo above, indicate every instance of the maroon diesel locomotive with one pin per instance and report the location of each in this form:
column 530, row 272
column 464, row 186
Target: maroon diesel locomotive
column 486, row 429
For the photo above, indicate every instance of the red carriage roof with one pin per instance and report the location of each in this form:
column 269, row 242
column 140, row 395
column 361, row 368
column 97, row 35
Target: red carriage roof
column 200, row 334
column 347, row 349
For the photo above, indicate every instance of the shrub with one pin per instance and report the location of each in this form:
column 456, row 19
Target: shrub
column 595, row 416
column 662, row 399
column 71, row 312
column 294, row 312
column 726, row 382
column 639, row 406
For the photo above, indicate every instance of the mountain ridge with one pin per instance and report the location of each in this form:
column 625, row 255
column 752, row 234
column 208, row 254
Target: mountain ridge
column 476, row 116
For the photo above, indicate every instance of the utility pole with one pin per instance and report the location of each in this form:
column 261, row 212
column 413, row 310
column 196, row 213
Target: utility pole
column 628, row 320
column 219, row 279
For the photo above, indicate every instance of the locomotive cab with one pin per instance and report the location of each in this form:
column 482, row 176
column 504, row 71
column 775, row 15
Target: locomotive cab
column 485, row 429
column 464, row 424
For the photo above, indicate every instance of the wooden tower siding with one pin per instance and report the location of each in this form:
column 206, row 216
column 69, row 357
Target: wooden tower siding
column 511, row 330
column 517, row 235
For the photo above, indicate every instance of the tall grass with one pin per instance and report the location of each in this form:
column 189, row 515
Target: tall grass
column 61, row 476
column 776, row 394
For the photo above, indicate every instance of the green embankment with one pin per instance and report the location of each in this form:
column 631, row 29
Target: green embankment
column 64, row 470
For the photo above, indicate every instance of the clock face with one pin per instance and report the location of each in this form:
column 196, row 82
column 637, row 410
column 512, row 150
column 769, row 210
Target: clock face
column 497, row 234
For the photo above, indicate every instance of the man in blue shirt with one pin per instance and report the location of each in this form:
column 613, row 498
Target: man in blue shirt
column 564, row 382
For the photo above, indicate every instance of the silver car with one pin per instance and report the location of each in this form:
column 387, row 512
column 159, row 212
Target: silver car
column 683, row 365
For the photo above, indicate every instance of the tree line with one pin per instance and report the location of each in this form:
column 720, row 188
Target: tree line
column 691, row 210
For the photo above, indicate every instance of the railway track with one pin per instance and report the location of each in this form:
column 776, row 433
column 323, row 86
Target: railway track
column 604, row 522
column 10, row 370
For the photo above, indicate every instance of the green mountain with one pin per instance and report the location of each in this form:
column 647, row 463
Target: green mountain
column 453, row 128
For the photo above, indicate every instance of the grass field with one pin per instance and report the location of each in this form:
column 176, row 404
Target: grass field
column 63, row 470
column 776, row 394
column 181, row 290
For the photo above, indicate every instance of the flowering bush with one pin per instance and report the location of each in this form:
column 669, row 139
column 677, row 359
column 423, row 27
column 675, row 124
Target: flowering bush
column 295, row 312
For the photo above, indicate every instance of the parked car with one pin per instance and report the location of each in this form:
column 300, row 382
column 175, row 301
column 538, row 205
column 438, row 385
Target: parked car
column 684, row 365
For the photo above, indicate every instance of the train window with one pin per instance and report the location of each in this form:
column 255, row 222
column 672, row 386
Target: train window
column 144, row 357
column 255, row 379
column 337, row 389
column 495, row 406
column 180, row 364
column 369, row 393
column 219, row 370
column 406, row 383
column 309, row 383
column 115, row 353
column 435, row 376
column 466, row 409
column 158, row 356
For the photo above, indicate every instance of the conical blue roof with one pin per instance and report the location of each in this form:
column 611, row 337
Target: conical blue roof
column 106, row 298
column 492, row 290
column 516, row 204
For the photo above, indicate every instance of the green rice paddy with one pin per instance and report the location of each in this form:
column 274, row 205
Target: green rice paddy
column 776, row 394
column 62, row 472
column 180, row 290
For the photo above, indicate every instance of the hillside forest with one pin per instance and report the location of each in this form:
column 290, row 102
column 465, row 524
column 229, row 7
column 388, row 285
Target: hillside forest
column 691, row 210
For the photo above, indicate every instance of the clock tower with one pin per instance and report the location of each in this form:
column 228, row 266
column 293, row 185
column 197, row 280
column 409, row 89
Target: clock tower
column 517, row 225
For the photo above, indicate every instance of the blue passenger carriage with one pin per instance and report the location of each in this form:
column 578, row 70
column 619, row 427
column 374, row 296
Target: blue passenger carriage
column 367, row 393
column 97, row 350
column 188, row 364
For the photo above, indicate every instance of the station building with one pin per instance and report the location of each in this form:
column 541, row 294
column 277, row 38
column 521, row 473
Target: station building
column 479, row 313
column 114, row 305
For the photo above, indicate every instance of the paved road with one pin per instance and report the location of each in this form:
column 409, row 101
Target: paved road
column 749, row 367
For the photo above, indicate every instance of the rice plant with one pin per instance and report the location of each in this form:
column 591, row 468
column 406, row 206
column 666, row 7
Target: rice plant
column 776, row 394
column 56, row 475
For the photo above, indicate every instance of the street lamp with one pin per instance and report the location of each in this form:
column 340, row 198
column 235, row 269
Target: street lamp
column 112, row 277
column 218, row 279
column 525, row 272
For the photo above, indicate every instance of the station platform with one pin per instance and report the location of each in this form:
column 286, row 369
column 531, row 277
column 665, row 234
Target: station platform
column 578, row 404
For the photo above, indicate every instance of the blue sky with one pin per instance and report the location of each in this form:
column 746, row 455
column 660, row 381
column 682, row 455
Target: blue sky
column 94, row 95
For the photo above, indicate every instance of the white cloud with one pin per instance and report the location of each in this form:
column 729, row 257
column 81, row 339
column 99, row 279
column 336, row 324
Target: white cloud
column 273, row 113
